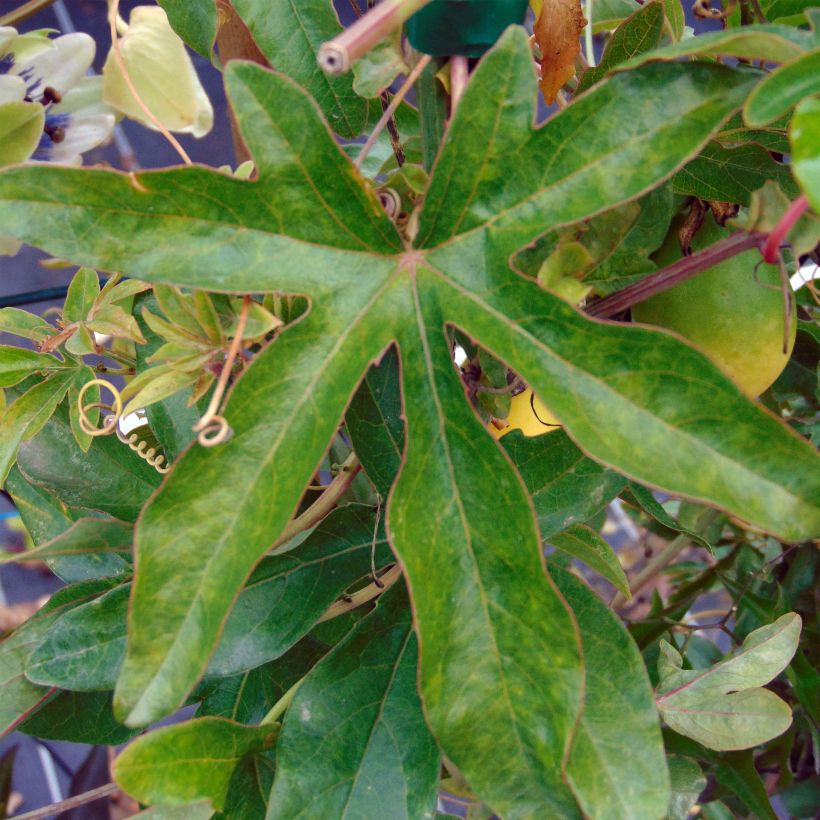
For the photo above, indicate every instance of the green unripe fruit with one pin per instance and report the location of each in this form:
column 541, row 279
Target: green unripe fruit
column 465, row 27
column 732, row 312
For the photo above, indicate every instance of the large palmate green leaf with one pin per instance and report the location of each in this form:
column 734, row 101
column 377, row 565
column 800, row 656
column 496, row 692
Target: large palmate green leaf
column 459, row 517
column 617, row 768
column 354, row 742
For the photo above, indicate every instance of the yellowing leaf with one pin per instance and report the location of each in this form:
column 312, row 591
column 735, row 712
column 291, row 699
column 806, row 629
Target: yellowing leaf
column 162, row 73
column 557, row 29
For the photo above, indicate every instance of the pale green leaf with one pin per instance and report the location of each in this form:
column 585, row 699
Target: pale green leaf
column 724, row 707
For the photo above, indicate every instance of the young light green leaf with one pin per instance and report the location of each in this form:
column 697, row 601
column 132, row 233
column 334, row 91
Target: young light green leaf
column 189, row 761
column 21, row 126
column 783, row 89
column 112, row 320
column 171, row 419
column 82, row 294
column 617, row 768
column 16, row 363
column 25, row 324
column 724, row 707
column 806, row 149
column 354, row 742
column 586, row 545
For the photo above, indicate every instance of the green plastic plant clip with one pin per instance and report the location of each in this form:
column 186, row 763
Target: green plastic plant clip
column 463, row 27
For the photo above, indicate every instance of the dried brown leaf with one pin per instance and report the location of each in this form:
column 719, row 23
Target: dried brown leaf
column 557, row 31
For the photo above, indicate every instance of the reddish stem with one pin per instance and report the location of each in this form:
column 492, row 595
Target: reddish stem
column 796, row 209
column 675, row 273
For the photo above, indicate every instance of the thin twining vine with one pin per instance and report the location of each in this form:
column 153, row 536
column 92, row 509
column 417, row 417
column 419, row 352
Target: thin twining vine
column 212, row 428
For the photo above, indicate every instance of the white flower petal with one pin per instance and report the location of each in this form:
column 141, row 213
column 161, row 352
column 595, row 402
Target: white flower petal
column 12, row 88
column 7, row 35
column 81, row 134
column 163, row 74
column 60, row 65
column 85, row 98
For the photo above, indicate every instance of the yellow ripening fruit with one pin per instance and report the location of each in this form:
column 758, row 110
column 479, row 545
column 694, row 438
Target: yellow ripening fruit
column 529, row 415
column 732, row 312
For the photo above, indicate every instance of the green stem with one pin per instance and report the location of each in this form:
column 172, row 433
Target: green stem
column 363, row 596
column 281, row 705
column 665, row 557
column 325, row 502
column 115, row 357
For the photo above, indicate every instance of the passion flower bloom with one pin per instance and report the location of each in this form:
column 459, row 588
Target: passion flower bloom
column 49, row 109
column 162, row 73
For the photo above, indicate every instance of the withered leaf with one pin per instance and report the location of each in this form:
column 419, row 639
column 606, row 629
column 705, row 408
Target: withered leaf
column 557, row 31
